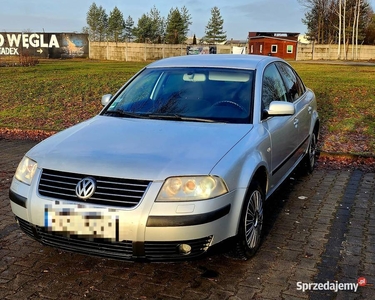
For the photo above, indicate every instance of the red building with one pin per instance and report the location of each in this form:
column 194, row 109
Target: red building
column 280, row 44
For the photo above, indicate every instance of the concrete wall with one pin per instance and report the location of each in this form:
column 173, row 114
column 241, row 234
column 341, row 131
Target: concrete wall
column 330, row 52
column 140, row 51
column 150, row 52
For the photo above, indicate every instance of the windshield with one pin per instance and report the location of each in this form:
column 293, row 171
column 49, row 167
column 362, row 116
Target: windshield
column 196, row 94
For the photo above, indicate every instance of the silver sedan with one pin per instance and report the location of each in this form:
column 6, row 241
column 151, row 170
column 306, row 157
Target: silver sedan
column 181, row 158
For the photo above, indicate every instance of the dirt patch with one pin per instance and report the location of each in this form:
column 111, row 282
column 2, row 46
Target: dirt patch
column 20, row 134
column 346, row 161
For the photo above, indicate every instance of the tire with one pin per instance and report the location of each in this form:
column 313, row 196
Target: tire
column 251, row 223
column 312, row 154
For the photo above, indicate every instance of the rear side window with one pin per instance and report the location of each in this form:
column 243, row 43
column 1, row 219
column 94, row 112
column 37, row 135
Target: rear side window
column 293, row 84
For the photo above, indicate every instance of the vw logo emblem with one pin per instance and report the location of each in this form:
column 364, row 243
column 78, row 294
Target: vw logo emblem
column 85, row 188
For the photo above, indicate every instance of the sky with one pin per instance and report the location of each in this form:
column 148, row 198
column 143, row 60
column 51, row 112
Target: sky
column 239, row 16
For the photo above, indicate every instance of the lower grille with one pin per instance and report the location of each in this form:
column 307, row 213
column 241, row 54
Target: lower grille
column 99, row 247
column 153, row 251
column 26, row 227
column 118, row 250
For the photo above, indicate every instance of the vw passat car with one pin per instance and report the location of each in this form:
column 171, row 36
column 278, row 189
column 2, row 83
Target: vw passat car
column 181, row 158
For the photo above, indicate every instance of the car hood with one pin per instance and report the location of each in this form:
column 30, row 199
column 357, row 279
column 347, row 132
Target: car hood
column 138, row 148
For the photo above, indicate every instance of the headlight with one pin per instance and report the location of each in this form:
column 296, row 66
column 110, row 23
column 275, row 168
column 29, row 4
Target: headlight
column 191, row 188
column 26, row 170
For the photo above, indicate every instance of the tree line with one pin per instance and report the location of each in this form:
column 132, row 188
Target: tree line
column 151, row 27
column 339, row 22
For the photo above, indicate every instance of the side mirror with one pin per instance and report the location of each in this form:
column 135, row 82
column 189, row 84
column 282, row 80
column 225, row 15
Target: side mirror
column 279, row 108
column 106, row 98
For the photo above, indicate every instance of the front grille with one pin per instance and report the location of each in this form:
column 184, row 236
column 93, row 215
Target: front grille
column 153, row 251
column 109, row 191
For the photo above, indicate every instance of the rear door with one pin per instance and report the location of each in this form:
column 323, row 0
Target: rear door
column 297, row 94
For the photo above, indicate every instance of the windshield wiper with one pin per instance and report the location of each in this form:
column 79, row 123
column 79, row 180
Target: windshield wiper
column 179, row 118
column 122, row 113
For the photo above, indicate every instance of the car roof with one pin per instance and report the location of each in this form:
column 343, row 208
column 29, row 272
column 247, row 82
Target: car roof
column 237, row 61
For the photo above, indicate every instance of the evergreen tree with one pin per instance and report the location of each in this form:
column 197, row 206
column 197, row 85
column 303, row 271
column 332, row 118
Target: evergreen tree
column 129, row 28
column 370, row 32
column 102, row 24
column 116, row 25
column 143, row 30
column 92, row 19
column 158, row 26
column 214, row 29
column 175, row 27
column 150, row 27
column 186, row 17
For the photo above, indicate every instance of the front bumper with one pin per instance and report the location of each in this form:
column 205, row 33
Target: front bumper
column 125, row 250
column 152, row 231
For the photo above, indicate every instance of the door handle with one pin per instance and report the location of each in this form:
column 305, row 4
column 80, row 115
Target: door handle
column 295, row 122
column 309, row 109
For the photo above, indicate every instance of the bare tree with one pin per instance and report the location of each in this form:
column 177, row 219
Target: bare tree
column 339, row 40
column 337, row 21
column 357, row 29
column 354, row 26
column 344, row 28
column 318, row 19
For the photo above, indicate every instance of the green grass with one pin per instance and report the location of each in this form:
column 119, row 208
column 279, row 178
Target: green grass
column 57, row 94
column 346, row 100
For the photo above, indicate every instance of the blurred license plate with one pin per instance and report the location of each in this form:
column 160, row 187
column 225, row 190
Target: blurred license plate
column 82, row 221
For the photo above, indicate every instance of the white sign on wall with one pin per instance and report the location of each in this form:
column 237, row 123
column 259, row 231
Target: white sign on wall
column 10, row 43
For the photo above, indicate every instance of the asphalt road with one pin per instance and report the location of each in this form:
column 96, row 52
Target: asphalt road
column 320, row 234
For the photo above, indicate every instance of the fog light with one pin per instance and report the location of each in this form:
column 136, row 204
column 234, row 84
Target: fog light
column 184, row 249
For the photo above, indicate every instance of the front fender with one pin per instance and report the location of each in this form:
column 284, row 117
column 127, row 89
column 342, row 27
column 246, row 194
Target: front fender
column 241, row 163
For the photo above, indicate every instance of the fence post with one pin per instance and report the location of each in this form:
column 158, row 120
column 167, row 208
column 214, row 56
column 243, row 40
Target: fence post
column 107, row 52
column 313, row 48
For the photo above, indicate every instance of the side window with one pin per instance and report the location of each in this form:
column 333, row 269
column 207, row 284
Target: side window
column 301, row 85
column 294, row 86
column 272, row 86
